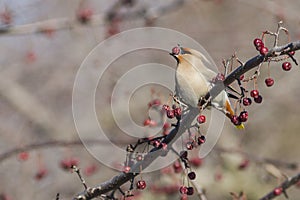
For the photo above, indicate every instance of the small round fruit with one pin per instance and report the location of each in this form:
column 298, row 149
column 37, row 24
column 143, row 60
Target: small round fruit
column 192, row 175
column 258, row 42
column 235, row 120
column 254, row 93
column 165, row 107
column 189, row 145
column 170, row 114
column 201, row 139
column 201, row 119
column 258, row 99
column 291, row 53
column 277, row 191
column 177, row 167
column 243, row 116
column 23, row 156
column 42, row 172
column 269, row 82
column 177, row 112
column 196, row 161
column 247, row 101
column 264, row 51
column 141, row 185
column 126, row 169
column 183, row 190
column 286, row 66
column 190, row 191
column 176, row 50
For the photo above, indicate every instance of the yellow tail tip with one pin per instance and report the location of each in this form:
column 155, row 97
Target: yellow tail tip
column 240, row 127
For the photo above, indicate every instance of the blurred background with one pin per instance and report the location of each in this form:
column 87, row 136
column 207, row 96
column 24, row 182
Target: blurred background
column 43, row 44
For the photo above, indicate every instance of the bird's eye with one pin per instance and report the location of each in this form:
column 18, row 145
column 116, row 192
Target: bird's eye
column 175, row 50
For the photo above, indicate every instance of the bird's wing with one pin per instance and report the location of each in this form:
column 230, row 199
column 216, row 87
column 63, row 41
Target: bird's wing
column 200, row 62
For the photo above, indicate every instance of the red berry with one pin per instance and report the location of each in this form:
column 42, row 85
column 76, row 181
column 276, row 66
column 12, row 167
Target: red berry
column 165, row 107
column 190, row 191
column 139, row 158
column 166, row 126
column 196, row 161
column 155, row 102
column 254, row 93
column 220, row 77
column 184, row 197
column 164, row 146
column 170, row 114
column 4, row 196
column 165, row 132
column 156, row 143
column 74, row 162
column 244, row 164
column 258, row 99
column 286, row 66
column 269, row 82
column 247, row 101
column 277, row 191
column 84, row 15
column 264, row 51
column 42, row 172
column 90, row 170
column 291, row 53
column 192, row 175
column 23, row 156
column 201, row 139
column 183, row 190
column 177, row 112
column 147, row 122
column 177, row 167
column 189, row 145
column 235, row 120
column 201, row 119
column 65, row 164
column 126, row 169
column 31, row 57
column 141, row 185
column 257, row 42
column 176, row 50
column 243, row 116
column 6, row 17
column 218, row 176
column 242, row 77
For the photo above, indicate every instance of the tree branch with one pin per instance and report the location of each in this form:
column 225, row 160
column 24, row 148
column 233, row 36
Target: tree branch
column 187, row 119
column 96, row 20
column 55, row 143
column 284, row 186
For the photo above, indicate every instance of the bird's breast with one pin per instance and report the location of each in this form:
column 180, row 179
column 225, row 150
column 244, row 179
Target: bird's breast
column 190, row 84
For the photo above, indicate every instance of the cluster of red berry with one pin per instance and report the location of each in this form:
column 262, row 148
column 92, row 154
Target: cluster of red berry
column 174, row 112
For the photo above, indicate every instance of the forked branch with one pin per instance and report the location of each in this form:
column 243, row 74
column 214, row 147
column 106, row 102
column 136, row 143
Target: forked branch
column 184, row 124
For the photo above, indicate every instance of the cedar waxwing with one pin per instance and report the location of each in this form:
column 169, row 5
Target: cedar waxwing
column 194, row 79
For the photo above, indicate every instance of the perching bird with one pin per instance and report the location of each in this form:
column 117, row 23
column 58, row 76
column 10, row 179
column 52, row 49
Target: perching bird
column 194, row 79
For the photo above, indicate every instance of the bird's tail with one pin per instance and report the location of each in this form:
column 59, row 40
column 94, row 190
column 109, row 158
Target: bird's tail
column 230, row 114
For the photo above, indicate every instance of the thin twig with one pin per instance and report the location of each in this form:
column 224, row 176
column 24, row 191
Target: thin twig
column 76, row 169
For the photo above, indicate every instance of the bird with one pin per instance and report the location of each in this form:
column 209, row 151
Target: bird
column 194, row 79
